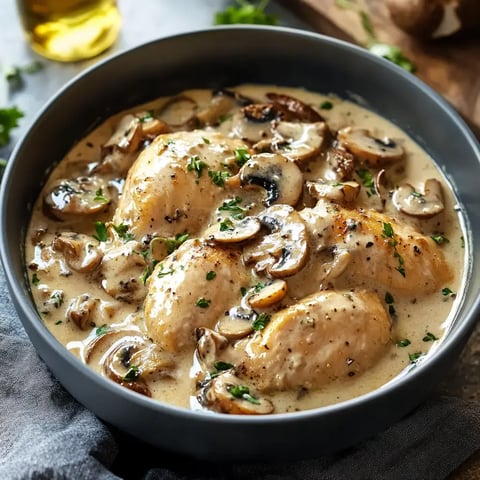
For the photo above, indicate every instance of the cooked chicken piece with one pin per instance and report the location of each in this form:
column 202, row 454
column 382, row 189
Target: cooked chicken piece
column 181, row 299
column 169, row 189
column 326, row 336
column 381, row 248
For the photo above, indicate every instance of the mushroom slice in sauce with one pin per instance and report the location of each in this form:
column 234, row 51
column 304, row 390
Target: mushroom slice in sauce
column 299, row 141
column 77, row 196
column 222, row 103
column 119, row 367
column 280, row 177
column 127, row 135
column 284, row 251
column 301, row 111
column 422, row 205
column 268, row 295
column 82, row 310
column 373, row 151
column 179, row 113
column 81, row 252
column 122, row 269
column 236, row 323
column 233, row 231
column 226, row 394
column 345, row 192
column 209, row 344
column 340, row 161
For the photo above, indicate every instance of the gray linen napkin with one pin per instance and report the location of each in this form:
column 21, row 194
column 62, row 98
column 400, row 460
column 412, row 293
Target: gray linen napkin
column 46, row 434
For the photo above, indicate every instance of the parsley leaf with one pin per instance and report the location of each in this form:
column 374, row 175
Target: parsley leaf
column 242, row 392
column 172, row 243
column 218, row 178
column 413, row 357
column 102, row 233
column 8, row 121
column 393, row 54
column 241, row 156
column 429, row 337
column 403, row 343
column 132, row 375
column 203, row 303
column 232, row 206
column 35, row 280
column 123, row 233
column 102, row 330
column 260, row 322
column 439, row 239
column 368, row 181
column 100, row 197
column 196, row 165
column 246, row 13
column 210, row 275
column 326, row 105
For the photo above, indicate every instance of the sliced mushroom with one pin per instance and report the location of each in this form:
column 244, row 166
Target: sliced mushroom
column 268, row 295
column 122, row 269
column 52, row 299
column 81, row 252
column 151, row 126
column 222, row 103
column 301, row 111
column 422, row 205
column 344, row 192
column 280, row 177
column 226, row 394
column 209, row 344
column 77, row 196
column 341, row 162
column 179, row 113
column 97, row 345
column 297, row 141
column 341, row 260
column 373, row 151
column 119, row 367
column 233, row 231
column 284, row 251
column 127, row 136
column 81, row 311
column 237, row 323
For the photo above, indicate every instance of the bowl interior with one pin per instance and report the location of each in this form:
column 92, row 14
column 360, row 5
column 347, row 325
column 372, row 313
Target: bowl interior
column 219, row 58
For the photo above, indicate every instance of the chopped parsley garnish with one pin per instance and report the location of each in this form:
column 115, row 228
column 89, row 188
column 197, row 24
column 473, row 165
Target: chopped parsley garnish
column 462, row 242
column 146, row 274
column 58, row 322
column 222, row 366
column 163, row 273
column 100, row 197
column 133, row 374
column 224, row 118
column 14, row 74
column 243, row 291
column 35, row 280
column 387, row 232
column 102, row 330
column 389, row 301
column 57, row 298
column 242, row 392
column 429, row 337
column 260, row 322
column 403, row 343
column 232, row 206
column 102, row 233
column 8, row 121
column 210, row 275
column 368, row 181
column 123, row 233
column 446, row 292
column 241, row 156
column 246, row 12
column 259, row 286
column 218, row 178
column 226, row 225
column 149, row 116
column 172, row 243
column 203, row 303
column 326, row 105
column 196, row 165
column 206, row 140
column 413, row 357
column 439, row 239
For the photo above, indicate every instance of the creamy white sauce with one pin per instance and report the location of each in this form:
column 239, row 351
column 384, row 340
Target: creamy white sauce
column 415, row 317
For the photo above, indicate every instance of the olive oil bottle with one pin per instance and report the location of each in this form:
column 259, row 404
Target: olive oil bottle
column 70, row 30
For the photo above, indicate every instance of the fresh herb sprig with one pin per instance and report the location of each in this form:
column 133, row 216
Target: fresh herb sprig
column 246, row 12
column 8, row 121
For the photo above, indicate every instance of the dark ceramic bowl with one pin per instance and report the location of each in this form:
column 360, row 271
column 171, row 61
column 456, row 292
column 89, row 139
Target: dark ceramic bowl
column 218, row 58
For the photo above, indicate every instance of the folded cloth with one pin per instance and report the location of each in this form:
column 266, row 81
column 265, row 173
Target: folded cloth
column 46, row 434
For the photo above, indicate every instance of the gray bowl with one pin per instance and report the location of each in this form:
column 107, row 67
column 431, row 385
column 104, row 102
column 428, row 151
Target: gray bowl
column 218, row 58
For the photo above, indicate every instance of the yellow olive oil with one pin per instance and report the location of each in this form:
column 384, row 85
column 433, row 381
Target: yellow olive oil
column 70, row 30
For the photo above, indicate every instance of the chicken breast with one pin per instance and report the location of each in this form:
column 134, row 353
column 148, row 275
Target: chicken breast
column 379, row 248
column 327, row 335
column 170, row 188
column 181, row 297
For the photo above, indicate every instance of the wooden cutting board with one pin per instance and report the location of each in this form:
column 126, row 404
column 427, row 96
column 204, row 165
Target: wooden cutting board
column 451, row 66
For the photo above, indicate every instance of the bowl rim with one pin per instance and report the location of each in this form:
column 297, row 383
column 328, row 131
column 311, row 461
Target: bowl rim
column 28, row 314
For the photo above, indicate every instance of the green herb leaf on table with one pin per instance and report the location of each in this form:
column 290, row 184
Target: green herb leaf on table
column 246, row 13
column 8, row 120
